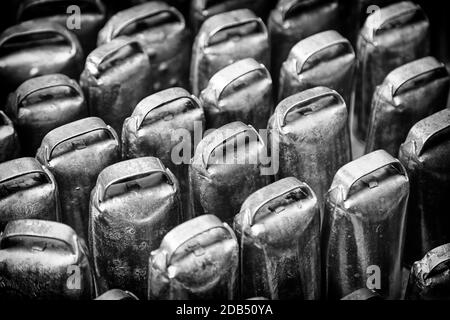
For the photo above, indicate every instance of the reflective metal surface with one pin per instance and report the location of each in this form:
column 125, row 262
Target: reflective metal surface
column 279, row 231
column 164, row 125
column 241, row 91
column 44, row 260
column 410, row 93
column 430, row 277
column 311, row 131
column 117, row 75
column 196, row 260
column 42, row 104
column 225, row 170
column 426, row 154
column 224, row 39
column 294, row 20
column 76, row 153
column 396, row 35
column 324, row 59
column 364, row 227
column 35, row 48
column 27, row 191
column 133, row 205
column 161, row 30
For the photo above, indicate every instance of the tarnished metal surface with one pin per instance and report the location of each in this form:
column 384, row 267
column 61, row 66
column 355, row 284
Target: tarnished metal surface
column 408, row 94
column 200, row 10
column 355, row 13
column 27, row 191
column 312, row 134
column 133, row 205
column 364, row 227
column 284, row 100
column 91, row 18
column 196, row 260
column 279, row 231
column 225, row 170
column 226, row 38
column 362, row 294
column 31, row 49
column 43, row 260
column 76, row 153
column 295, row 20
column 9, row 140
column 426, row 154
column 116, row 77
column 117, row 294
column 158, row 126
column 396, row 35
column 162, row 32
column 42, row 104
column 324, row 59
column 241, row 91
column 430, row 277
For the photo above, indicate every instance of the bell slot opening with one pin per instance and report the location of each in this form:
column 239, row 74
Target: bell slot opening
column 135, row 183
column 235, row 32
column 22, row 183
column 278, row 205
